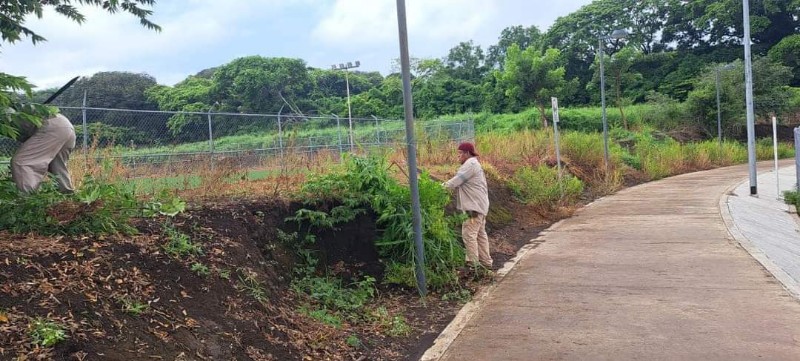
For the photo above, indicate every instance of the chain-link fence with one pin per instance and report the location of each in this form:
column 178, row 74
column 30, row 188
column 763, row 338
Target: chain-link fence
column 150, row 138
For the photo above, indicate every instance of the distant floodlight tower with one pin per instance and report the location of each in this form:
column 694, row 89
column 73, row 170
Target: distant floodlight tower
column 345, row 67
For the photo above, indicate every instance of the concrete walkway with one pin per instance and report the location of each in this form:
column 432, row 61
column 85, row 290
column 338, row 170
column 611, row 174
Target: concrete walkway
column 650, row 273
column 766, row 226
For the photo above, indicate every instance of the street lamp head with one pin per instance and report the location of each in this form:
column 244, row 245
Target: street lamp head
column 358, row 63
column 349, row 64
column 619, row 34
column 333, row 66
column 341, row 66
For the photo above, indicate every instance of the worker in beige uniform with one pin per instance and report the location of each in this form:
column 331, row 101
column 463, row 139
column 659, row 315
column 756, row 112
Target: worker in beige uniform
column 473, row 198
column 44, row 149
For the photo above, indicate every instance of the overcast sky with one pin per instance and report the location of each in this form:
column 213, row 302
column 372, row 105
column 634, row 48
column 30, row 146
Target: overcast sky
column 199, row 34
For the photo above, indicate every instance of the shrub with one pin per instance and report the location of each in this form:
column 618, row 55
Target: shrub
column 366, row 182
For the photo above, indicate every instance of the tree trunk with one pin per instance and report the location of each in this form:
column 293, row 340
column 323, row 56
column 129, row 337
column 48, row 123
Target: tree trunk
column 544, row 117
column 619, row 100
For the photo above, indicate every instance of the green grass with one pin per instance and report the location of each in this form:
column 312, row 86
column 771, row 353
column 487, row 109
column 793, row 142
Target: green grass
column 179, row 244
column 540, row 187
column 133, row 307
column 792, row 198
column 585, row 119
column 251, row 285
column 46, row 333
column 329, row 137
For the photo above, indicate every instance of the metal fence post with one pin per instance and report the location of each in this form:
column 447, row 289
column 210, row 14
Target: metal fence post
column 339, row 135
column 85, row 128
column 377, row 132
column 280, row 131
column 210, row 134
column 471, row 128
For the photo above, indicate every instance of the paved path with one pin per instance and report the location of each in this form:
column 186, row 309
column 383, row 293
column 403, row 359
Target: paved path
column 767, row 226
column 650, row 273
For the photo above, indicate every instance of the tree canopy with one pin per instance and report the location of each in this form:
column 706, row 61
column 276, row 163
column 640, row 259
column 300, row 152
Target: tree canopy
column 16, row 109
column 666, row 55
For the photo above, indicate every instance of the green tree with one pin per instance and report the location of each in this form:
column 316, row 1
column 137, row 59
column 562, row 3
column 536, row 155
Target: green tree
column 449, row 86
column 256, row 84
column 620, row 77
column 467, row 62
column 576, row 36
column 704, row 23
column 769, row 92
column 329, row 94
column 522, row 36
column 13, row 14
column 190, row 95
column 385, row 101
column 444, row 94
column 647, row 21
column 531, row 77
column 787, row 51
column 113, row 89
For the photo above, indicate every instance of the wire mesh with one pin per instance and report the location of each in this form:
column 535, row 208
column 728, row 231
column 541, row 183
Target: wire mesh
column 179, row 141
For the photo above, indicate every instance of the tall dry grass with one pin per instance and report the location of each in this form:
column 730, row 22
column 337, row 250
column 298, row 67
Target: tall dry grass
column 205, row 176
column 643, row 157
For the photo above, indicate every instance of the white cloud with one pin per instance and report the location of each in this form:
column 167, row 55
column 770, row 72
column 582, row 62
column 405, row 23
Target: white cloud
column 119, row 42
column 198, row 34
column 356, row 23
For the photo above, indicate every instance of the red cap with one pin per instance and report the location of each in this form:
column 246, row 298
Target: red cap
column 468, row 147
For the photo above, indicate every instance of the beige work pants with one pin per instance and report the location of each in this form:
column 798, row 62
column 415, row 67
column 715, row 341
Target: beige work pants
column 46, row 151
column 476, row 242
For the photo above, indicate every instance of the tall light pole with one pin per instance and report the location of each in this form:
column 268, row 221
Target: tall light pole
column 344, row 67
column 617, row 35
column 719, row 111
column 748, row 79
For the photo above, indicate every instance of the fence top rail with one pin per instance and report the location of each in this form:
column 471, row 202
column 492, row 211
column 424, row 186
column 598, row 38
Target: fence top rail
column 288, row 115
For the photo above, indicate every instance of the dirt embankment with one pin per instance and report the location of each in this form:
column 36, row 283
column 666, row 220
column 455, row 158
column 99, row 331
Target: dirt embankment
column 126, row 298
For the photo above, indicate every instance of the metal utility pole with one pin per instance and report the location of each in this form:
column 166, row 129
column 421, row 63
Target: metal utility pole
column 408, row 108
column 719, row 112
column 616, row 34
column 748, row 76
column 600, row 43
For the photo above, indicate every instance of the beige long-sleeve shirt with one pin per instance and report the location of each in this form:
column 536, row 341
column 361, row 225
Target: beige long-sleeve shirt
column 470, row 184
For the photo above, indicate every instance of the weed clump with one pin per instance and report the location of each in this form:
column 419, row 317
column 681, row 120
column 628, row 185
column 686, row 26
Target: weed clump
column 540, row 186
column 365, row 183
column 46, row 333
column 96, row 208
